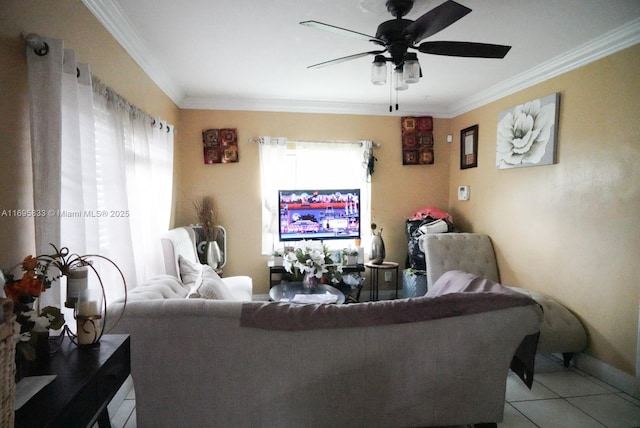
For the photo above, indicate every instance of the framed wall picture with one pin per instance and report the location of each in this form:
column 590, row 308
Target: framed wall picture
column 469, row 147
column 527, row 134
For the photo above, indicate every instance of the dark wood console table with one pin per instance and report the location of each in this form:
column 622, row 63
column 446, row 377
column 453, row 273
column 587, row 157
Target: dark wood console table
column 86, row 381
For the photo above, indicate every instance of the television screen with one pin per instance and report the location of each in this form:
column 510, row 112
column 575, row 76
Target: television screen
column 319, row 214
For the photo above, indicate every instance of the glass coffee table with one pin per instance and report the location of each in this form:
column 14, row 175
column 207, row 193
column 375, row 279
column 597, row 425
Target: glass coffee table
column 294, row 292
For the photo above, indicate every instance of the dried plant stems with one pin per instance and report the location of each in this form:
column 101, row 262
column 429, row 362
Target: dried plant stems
column 207, row 217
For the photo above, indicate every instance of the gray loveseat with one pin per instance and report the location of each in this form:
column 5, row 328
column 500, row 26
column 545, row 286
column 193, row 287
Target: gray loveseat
column 427, row 361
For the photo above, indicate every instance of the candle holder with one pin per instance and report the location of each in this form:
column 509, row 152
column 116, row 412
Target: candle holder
column 77, row 282
column 90, row 304
column 88, row 315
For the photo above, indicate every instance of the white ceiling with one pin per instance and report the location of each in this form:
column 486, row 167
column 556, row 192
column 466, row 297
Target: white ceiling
column 253, row 54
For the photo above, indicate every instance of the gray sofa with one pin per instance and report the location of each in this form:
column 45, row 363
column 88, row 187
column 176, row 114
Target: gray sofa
column 429, row 361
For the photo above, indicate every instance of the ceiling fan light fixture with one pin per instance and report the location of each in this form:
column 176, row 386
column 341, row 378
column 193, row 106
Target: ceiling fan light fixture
column 399, row 83
column 379, row 70
column 411, row 69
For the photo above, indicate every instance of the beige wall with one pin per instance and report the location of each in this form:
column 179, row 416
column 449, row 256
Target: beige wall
column 569, row 230
column 70, row 21
column 397, row 191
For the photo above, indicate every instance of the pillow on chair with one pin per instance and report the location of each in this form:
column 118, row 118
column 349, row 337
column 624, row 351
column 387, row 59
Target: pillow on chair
column 189, row 271
column 211, row 288
column 203, row 281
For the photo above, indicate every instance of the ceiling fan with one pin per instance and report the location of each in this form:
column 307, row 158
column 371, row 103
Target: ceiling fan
column 397, row 36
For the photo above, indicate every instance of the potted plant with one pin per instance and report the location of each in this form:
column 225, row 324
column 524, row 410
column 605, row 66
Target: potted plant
column 350, row 256
column 276, row 258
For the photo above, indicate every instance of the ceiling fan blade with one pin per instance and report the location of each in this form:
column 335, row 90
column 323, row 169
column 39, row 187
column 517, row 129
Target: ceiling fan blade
column 344, row 58
column 340, row 30
column 465, row 49
column 435, row 20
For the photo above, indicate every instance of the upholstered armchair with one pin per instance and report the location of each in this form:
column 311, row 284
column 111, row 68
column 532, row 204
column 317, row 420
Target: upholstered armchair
column 181, row 242
column 561, row 331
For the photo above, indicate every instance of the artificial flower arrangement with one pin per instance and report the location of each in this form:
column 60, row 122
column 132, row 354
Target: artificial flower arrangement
column 36, row 276
column 311, row 258
column 23, row 290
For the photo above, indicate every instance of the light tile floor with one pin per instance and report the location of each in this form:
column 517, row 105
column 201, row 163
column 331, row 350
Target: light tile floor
column 567, row 398
column 559, row 398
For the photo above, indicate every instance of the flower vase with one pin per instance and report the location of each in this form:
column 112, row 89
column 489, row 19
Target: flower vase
column 310, row 281
column 214, row 257
column 377, row 254
column 43, row 346
column 40, row 354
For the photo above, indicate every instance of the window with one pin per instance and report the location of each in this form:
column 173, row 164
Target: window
column 305, row 165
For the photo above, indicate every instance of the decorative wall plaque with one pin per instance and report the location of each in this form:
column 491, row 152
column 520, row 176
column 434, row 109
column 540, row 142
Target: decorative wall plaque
column 220, row 145
column 417, row 140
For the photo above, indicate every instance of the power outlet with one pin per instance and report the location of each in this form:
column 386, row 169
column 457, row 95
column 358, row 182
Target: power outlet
column 387, row 277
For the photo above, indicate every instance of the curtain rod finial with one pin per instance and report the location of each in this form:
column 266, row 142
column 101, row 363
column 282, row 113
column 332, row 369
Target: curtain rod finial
column 35, row 42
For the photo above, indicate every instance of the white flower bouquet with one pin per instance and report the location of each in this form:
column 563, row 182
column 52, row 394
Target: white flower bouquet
column 311, row 258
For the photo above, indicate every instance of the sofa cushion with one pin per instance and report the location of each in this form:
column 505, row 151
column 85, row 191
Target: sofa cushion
column 203, row 281
column 211, row 288
column 159, row 287
column 189, row 271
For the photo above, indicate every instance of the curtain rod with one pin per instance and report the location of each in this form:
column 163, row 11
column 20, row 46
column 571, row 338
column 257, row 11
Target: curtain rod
column 41, row 48
column 110, row 93
column 257, row 140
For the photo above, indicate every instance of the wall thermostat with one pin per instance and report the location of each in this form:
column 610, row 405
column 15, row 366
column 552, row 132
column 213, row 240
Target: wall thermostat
column 463, row 193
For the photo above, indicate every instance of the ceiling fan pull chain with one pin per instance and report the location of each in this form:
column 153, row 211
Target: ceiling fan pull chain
column 390, row 90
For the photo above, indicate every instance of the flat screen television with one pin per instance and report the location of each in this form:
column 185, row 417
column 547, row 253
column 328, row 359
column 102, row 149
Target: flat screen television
column 319, row 214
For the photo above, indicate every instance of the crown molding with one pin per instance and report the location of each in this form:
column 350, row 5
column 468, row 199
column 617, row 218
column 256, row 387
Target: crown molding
column 115, row 21
column 307, row 106
column 113, row 18
column 620, row 38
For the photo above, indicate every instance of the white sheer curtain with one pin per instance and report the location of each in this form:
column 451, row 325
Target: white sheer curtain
column 134, row 170
column 45, row 104
column 77, row 200
column 273, row 176
column 304, row 165
column 102, row 171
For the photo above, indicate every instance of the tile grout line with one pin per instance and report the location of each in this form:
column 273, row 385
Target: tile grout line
column 524, row 416
column 580, row 410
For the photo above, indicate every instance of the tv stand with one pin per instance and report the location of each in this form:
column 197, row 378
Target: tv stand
column 278, row 273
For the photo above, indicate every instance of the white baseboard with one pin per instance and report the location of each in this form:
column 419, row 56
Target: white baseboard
column 611, row 375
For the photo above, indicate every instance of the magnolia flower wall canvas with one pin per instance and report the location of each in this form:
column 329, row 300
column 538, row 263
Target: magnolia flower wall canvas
column 527, row 133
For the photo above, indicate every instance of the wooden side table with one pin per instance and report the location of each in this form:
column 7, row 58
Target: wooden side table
column 373, row 281
column 86, row 381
